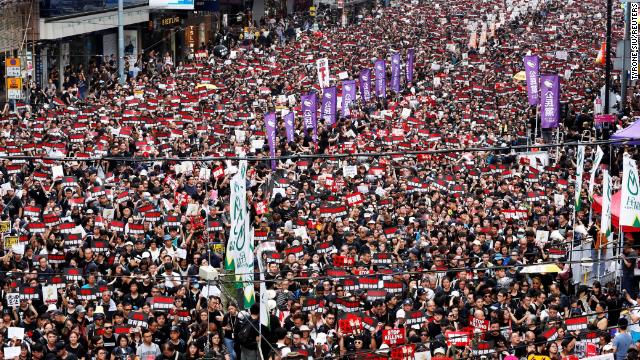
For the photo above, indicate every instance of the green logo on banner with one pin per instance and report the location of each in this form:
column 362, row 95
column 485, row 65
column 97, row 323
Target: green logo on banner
column 632, row 183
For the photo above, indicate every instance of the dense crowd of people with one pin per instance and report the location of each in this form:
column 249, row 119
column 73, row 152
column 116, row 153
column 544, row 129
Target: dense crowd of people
column 386, row 254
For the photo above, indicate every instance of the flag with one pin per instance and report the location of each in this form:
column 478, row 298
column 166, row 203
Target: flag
column 630, row 199
column 310, row 114
column 532, row 70
column 594, row 170
column 348, row 96
column 605, row 220
column 579, row 172
column 411, row 56
column 289, row 126
column 381, row 78
column 550, row 98
column 329, row 104
column 365, row 84
column 395, row 72
column 270, row 129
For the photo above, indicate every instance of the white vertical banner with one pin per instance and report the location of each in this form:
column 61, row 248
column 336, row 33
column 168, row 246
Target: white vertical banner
column 240, row 257
column 630, row 199
column 323, row 72
column 579, row 172
column 264, row 294
column 594, row 169
column 605, row 220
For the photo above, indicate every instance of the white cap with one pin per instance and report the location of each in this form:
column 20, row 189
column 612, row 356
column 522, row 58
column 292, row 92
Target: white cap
column 439, row 351
column 400, row 314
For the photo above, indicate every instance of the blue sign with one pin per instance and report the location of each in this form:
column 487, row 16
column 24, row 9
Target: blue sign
column 172, row 4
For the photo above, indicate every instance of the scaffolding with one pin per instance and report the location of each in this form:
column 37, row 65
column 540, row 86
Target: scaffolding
column 18, row 26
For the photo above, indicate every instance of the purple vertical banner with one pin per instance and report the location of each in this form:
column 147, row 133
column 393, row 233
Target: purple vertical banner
column 395, row 72
column 549, row 101
column 381, row 78
column 329, row 105
column 348, row 96
column 289, row 126
column 270, row 125
column 411, row 58
column 310, row 114
column 532, row 71
column 365, row 84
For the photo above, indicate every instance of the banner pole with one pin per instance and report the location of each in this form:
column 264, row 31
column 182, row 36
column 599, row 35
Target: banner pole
column 535, row 131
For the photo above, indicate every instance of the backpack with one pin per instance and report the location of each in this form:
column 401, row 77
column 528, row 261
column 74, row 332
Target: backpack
column 245, row 335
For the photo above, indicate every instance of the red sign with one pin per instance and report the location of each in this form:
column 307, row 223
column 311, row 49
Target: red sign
column 577, row 323
column 404, row 352
column 482, row 325
column 591, row 349
column 261, row 207
column 393, row 337
column 457, row 338
column 351, row 325
column 354, row 199
column 346, row 261
column 218, row 172
column 605, row 118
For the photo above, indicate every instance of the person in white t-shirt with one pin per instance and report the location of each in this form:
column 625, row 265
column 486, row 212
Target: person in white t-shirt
column 148, row 350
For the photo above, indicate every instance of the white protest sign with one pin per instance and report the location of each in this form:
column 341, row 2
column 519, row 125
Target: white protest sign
column 15, row 333
column 349, row 170
column 11, row 352
column 241, row 135
column 57, row 172
column 205, row 174
column 50, row 294
column 13, row 300
column 542, row 237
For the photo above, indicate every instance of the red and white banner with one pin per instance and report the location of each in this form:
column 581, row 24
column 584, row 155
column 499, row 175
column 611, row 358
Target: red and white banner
column 355, row 199
column 394, row 337
column 577, row 323
column 323, row 72
column 457, row 338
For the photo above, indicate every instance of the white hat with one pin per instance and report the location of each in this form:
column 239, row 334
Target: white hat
column 52, row 307
column 439, row 351
column 400, row 314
